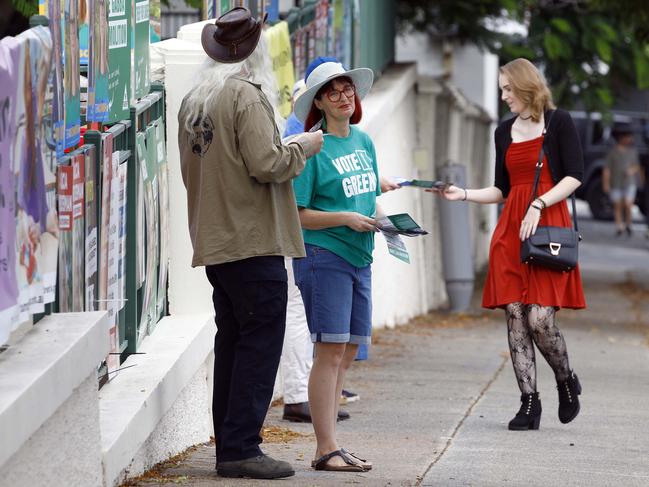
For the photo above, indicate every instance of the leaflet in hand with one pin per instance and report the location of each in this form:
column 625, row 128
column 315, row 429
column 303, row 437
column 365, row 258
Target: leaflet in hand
column 422, row 183
column 401, row 224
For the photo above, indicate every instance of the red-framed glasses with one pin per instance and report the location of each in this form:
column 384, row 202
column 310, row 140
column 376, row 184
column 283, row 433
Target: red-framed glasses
column 334, row 95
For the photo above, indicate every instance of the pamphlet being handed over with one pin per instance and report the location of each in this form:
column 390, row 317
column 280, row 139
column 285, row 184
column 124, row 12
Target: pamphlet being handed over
column 392, row 227
column 422, row 183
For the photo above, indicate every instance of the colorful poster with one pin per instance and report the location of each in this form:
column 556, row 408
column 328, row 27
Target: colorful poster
column 64, row 178
column 121, row 273
column 155, row 34
column 98, row 68
column 42, row 154
column 84, row 30
column 140, row 251
column 224, row 6
column 331, row 35
column 163, row 200
column 71, row 80
column 112, row 294
column 216, row 8
column 150, row 281
column 78, row 231
column 347, row 33
column 107, row 165
column 47, row 255
column 338, row 28
column 31, row 205
column 112, row 297
column 141, row 155
column 10, row 54
column 57, row 121
column 270, row 7
column 310, row 36
column 299, row 59
column 321, row 17
column 91, row 215
column 141, row 49
column 279, row 46
column 119, row 59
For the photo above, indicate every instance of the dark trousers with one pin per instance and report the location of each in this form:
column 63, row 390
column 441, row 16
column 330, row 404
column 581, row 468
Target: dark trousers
column 250, row 305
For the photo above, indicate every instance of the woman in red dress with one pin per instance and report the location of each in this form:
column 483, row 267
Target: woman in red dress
column 530, row 294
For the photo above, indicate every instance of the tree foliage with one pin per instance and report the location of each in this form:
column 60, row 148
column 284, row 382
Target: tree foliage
column 26, row 7
column 591, row 51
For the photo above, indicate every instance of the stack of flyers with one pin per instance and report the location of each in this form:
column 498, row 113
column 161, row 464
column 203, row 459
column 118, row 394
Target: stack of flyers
column 401, row 224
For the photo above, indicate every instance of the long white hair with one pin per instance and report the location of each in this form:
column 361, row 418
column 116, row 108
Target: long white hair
column 212, row 77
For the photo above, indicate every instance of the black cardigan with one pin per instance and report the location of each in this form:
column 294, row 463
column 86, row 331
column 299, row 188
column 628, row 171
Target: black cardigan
column 561, row 145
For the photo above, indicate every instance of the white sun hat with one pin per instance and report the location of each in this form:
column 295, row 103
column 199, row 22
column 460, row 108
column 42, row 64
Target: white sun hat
column 325, row 72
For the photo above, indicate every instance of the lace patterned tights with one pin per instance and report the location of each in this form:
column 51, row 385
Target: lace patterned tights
column 528, row 324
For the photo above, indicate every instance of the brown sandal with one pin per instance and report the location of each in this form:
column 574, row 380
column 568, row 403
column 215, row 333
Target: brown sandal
column 360, row 461
column 350, row 465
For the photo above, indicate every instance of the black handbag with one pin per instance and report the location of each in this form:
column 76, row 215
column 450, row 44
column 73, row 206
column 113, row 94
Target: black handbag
column 553, row 247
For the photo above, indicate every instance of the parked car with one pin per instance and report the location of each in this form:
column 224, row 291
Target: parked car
column 597, row 139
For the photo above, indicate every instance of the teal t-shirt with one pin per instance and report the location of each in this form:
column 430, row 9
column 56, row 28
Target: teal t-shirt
column 342, row 177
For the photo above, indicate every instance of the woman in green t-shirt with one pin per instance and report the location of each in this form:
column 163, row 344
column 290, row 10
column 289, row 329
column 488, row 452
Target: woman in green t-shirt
column 336, row 195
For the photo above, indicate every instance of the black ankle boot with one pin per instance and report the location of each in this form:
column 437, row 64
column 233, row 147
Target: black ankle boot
column 528, row 416
column 569, row 391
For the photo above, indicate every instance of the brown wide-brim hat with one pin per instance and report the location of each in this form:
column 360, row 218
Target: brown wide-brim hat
column 233, row 36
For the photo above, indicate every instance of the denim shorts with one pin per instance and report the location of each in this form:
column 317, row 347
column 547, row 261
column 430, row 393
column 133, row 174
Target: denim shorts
column 337, row 297
column 626, row 194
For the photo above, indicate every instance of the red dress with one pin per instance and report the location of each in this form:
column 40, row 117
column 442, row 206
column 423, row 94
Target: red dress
column 509, row 280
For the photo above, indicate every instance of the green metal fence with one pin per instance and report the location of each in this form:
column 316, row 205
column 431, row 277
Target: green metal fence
column 146, row 110
column 121, row 144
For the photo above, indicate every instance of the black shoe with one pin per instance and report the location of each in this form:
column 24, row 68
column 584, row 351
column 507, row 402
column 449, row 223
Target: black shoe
column 261, row 467
column 300, row 413
column 528, row 416
column 348, row 396
column 569, row 391
column 629, row 231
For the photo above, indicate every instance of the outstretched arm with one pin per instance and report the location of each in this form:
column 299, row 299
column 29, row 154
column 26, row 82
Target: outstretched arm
column 483, row 195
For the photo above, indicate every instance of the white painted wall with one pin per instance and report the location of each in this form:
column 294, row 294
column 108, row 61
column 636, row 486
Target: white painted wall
column 472, row 70
column 475, row 73
column 49, row 409
column 65, row 449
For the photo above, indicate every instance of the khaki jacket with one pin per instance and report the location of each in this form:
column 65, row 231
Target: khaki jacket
column 238, row 176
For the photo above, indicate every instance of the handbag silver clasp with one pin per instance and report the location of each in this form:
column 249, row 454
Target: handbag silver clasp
column 554, row 248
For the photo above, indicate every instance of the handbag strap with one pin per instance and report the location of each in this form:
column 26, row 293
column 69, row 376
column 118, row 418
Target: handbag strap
column 537, row 176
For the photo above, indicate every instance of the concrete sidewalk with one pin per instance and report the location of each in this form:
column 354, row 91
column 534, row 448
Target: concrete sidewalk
column 437, row 394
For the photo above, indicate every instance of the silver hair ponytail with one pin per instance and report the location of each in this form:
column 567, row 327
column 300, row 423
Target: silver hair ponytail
column 212, row 77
